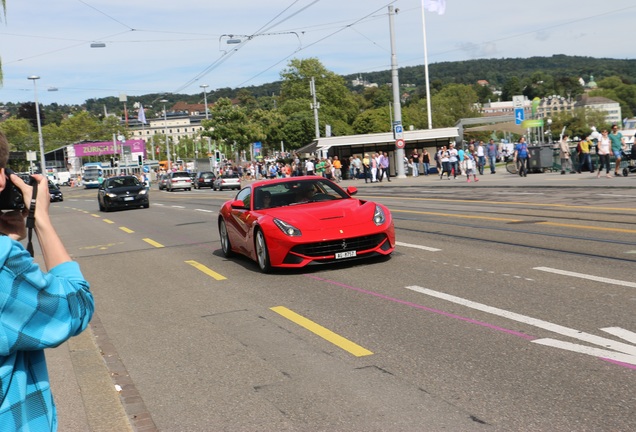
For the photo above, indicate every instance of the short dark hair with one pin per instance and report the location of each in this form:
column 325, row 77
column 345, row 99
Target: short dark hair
column 4, row 150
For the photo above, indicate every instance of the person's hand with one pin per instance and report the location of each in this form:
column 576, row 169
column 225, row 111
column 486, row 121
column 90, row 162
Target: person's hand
column 43, row 200
column 13, row 225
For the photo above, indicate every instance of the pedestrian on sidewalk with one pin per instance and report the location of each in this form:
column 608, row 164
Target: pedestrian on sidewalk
column 604, row 149
column 39, row 309
column 566, row 160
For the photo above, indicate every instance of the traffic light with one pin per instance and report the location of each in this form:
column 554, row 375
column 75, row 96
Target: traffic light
column 217, row 155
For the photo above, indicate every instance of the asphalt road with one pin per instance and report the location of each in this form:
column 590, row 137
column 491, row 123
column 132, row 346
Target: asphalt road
column 508, row 305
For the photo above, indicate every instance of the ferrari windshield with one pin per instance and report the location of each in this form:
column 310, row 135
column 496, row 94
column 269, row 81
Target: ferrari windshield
column 296, row 192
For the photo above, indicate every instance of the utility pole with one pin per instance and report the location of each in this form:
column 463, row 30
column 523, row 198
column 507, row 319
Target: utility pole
column 315, row 105
column 397, row 108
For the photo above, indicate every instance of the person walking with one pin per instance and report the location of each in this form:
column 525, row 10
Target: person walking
column 469, row 160
column 491, row 154
column 564, row 152
column 453, row 159
column 366, row 167
column 337, row 169
column 616, row 138
column 604, row 149
column 481, row 157
column 426, row 161
column 416, row 163
column 521, row 157
column 384, row 166
column 445, row 160
column 585, row 159
column 39, row 309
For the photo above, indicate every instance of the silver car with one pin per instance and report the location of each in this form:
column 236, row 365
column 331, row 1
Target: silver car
column 227, row 181
column 179, row 180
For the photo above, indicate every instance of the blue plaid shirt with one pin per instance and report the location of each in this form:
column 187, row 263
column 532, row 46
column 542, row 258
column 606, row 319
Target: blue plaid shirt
column 37, row 310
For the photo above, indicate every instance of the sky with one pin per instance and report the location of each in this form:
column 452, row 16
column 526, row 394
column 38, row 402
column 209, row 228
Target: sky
column 166, row 46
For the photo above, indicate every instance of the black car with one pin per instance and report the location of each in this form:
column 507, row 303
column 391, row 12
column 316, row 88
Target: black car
column 203, row 179
column 122, row 192
column 55, row 192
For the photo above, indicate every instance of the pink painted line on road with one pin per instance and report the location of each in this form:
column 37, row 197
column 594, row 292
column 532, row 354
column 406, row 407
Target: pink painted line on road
column 425, row 308
column 618, row 363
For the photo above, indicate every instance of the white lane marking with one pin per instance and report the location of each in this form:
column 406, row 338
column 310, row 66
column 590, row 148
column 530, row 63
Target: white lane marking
column 596, row 352
column 204, row 210
column 176, row 206
column 585, row 276
column 555, row 328
column 621, row 333
column 426, row 248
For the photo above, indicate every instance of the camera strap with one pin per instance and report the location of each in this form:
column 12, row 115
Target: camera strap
column 30, row 220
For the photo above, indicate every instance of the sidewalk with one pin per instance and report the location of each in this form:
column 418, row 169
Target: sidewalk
column 503, row 179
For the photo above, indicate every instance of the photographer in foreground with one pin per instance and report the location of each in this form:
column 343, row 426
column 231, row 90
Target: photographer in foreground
column 38, row 309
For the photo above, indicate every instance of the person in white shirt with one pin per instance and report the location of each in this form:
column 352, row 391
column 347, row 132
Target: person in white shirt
column 481, row 157
column 309, row 167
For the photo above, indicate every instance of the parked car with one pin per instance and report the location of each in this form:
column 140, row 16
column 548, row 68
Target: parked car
column 161, row 181
column 227, row 181
column 203, row 179
column 122, row 192
column 178, row 180
column 55, row 192
column 296, row 221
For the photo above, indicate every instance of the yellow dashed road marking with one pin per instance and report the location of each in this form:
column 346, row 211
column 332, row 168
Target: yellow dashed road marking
column 324, row 333
column 206, row 270
column 153, row 243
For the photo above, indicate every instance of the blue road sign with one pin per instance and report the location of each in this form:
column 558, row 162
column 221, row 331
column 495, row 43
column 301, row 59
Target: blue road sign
column 519, row 115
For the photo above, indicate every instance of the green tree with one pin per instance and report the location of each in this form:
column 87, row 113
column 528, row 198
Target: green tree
column 230, row 127
column 20, row 134
column 338, row 106
column 452, row 103
column 511, row 87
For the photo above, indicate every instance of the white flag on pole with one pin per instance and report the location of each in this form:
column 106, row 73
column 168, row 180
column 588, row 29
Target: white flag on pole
column 142, row 115
column 438, row 6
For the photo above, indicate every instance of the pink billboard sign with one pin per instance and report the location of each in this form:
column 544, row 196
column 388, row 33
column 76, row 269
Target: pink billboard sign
column 108, row 148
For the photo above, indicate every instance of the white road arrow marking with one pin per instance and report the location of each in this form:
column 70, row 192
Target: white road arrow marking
column 621, row 333
column 626, row 352
column 585, row 276
column 426, row 248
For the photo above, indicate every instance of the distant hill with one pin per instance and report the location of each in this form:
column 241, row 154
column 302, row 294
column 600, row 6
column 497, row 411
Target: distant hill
column 495, row 71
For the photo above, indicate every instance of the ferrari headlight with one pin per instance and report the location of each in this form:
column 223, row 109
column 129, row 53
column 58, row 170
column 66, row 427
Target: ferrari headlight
column 379, row 217
column 288, row 229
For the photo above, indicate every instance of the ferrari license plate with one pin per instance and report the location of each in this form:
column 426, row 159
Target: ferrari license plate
column 347, row 254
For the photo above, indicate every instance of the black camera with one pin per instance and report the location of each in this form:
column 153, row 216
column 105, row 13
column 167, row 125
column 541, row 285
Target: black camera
column 11, row 197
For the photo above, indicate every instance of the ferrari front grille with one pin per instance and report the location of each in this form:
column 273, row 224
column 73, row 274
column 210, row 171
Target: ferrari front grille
column 333, row 246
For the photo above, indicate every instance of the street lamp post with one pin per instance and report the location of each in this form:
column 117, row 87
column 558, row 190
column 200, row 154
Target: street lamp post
column 205, row 98
column 205, row 101
column 165, row 131
column 37, row 115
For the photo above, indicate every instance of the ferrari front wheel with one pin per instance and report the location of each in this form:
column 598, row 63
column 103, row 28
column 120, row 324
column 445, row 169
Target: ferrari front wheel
column 226, row 247
column 262, row 254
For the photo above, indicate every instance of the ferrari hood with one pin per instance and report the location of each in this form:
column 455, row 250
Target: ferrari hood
column 326, row 214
